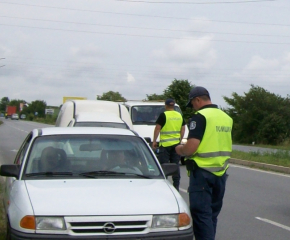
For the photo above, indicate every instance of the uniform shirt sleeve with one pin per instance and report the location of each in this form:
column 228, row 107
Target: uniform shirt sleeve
column 161, row 119
column 197, row 126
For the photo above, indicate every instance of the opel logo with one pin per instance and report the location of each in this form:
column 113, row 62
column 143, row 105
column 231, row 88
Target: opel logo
column 109, row 228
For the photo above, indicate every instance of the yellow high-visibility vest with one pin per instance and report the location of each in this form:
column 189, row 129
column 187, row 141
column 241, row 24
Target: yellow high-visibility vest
column 170, row 132
column 215, row 148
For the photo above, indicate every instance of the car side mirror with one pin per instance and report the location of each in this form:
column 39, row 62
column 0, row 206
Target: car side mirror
column 169, row 168
column 148, row 139
column 9, row 170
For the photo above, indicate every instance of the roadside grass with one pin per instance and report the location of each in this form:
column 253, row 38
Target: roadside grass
column 280, row 157
column 48, row 120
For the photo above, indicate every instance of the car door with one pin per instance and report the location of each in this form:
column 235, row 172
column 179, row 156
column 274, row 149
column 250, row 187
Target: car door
column 18, row 161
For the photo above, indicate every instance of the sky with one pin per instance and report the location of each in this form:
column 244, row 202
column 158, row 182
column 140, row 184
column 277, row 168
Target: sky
column 84, row 48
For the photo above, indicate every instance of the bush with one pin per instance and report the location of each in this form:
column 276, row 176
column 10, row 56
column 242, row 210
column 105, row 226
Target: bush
column 30, row 117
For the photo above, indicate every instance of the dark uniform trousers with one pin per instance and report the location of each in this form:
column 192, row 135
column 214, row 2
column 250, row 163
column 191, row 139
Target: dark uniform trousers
column 206, row 192
column 169, row 155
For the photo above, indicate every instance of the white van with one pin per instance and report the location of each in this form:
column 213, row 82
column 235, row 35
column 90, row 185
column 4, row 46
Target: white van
column 93, row 113
column 144, row 115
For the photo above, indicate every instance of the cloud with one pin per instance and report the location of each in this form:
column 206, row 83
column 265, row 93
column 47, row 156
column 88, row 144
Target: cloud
column 258, row 62
column 130, row 77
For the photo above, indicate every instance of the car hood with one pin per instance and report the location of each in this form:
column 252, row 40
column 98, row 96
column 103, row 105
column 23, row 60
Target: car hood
column 101, row 197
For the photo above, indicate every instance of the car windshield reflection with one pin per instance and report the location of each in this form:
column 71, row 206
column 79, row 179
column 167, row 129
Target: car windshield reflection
column 147, row 115
column 97, row 156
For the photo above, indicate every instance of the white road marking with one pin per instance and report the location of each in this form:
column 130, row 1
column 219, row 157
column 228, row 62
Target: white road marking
column 259, row 170
column 17, row 128
column 274, row 223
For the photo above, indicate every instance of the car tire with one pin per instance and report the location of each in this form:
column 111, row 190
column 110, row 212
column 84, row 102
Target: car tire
column 8, row 231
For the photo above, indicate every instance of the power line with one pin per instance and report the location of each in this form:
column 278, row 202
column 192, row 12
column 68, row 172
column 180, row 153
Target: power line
column 144, row 15
column 146, row 36
column 144, row 28
column 219, row 2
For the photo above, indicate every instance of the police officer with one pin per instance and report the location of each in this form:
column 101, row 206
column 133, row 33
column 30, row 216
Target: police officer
column 171, row 126
column 208, row 150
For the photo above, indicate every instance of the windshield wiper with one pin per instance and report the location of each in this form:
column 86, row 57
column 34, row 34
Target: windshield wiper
column 100, row 173
column 138, row 175
column 49, row 174
column 108, row 173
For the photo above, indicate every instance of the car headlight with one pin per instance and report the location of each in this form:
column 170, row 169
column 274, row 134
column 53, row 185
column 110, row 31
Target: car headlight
column 43, row 223
column 183, row 141
column 50, row 223
column 170, row 220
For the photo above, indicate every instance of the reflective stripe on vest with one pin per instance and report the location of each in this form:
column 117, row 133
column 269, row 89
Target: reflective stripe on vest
column 170, row 132
column 214, row 150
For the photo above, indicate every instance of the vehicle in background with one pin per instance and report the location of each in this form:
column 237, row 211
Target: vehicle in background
column 91, row 183
column 93, row 119
column 23, row 116
column 15, row 116
column 144, row 115
column 71, row 109
column 9, row 111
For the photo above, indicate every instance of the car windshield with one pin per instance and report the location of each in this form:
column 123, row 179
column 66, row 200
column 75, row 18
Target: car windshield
column 148, row 114
column 90, row 156
column 101, row 124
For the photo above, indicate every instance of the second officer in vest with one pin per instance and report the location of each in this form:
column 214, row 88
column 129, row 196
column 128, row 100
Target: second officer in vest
column 171, row 126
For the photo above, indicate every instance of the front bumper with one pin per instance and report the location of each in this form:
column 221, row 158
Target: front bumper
column 177, row 235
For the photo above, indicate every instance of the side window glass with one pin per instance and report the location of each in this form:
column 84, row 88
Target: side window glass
column 21, row 153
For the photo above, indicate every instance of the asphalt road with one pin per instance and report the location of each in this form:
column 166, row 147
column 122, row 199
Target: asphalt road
column 256, row 203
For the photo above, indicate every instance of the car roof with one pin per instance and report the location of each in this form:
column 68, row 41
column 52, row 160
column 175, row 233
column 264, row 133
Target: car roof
column 146, row 103
column 97, row 105
column 98, row 117
column 82, row 130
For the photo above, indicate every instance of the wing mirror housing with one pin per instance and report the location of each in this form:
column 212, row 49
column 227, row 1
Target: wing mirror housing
column 10, row 170
column 169, row 168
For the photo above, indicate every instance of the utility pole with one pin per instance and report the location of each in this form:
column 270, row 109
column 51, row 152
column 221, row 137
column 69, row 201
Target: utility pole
column 1, row 59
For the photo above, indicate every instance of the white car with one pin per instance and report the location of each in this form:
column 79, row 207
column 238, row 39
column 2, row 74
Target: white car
column 144, row 115
column 14, row 116
column 91, row 183
column 98, row 108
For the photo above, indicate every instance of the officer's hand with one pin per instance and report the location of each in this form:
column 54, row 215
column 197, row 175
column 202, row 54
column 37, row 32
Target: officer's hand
column 154, row 145
column 178, row 150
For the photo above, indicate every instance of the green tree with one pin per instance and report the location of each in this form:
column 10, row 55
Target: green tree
column 179, row 90
column 38, row 107
column 111, row 96
column 259, row 116
column 154, row 97
column 3, row 103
